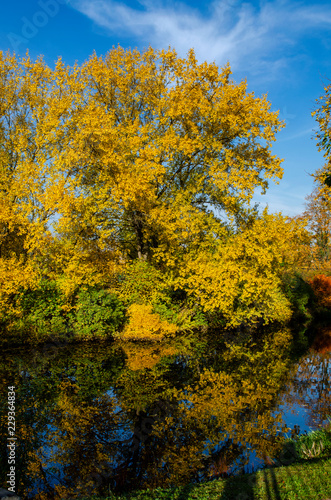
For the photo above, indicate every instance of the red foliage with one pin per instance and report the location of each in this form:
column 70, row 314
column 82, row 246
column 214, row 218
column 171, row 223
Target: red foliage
column 321, row 285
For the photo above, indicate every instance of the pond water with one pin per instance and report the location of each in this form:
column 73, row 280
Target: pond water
column 116, row 416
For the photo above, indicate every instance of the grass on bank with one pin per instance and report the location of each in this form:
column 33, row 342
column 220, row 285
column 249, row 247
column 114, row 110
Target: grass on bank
column 300, row 481
column 307, row 476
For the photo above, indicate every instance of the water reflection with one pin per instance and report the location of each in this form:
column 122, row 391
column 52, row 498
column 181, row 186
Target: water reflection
column 96, row 417
column 309, row 386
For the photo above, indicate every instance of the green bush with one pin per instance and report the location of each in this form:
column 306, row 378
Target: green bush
column 186, row 317
column 314, row 444
column 98, row 313
column 300, row 295
column 42, row 313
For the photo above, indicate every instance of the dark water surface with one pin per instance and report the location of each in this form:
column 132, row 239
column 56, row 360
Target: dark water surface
column 109, row 417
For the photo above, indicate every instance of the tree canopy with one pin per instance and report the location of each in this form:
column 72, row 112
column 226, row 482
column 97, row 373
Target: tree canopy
column 135, row 155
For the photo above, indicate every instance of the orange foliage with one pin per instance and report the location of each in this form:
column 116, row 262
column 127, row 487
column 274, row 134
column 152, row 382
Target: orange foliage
column 321, row 285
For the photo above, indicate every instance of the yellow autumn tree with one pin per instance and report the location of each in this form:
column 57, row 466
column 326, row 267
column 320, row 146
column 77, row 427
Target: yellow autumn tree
column 318, row 203
column 166, row 150
column 23, row 166
column 36, row 187
column 140, row 155
column 160, row 144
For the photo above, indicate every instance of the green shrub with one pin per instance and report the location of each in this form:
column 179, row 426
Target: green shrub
column 186, row 317
column 42, row 313
column 315, row 444
column 300, row 295
column 98, row 313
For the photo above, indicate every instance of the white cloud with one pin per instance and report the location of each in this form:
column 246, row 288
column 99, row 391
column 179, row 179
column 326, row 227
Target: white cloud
column 315, row 15
column 288, row 200
column 247, row 36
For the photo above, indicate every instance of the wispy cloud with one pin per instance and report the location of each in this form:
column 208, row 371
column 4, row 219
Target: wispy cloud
column 307, row 132
column 288, row 200
column 246, row 35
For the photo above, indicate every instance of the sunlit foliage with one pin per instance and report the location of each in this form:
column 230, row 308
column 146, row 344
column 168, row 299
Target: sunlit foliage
column 321, row 285
column 241, row 276
column 144, row 324
column 142, row 156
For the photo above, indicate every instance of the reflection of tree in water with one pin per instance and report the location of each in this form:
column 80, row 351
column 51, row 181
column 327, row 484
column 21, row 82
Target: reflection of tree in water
column 310, row 382
column 216, row 410
column 140, row 356
column 206, row 409
column 46, row 382
column 322, row 341
column 180, row 417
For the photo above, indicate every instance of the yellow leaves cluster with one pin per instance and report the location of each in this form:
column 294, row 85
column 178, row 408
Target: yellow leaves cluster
column 141, row 283
column 14, row 276
column 322, row 192
column 155, row 125
column 30, row 139
column 323, row 136
column 322, row 116
column 146, row 325
column 241, row 277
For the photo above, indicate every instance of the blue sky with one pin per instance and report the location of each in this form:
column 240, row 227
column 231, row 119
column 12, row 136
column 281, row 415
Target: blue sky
column 282, row 48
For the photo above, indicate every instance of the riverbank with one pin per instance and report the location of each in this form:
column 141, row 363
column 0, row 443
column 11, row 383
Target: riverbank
column 301, row 481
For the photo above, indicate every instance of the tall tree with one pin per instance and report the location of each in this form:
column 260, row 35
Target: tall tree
column 139, row 155
column 161, row 145
column 318, row 214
